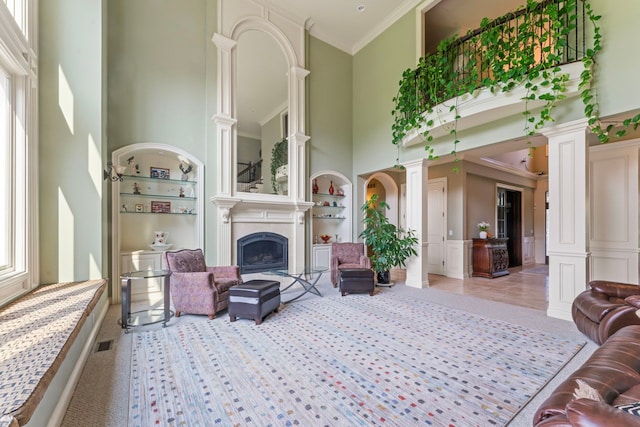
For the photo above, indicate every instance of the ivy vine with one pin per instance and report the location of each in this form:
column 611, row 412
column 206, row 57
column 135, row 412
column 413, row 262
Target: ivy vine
column 523, row 47
column 279, row 157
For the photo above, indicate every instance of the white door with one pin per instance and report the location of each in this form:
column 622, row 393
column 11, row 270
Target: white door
column 436, row 226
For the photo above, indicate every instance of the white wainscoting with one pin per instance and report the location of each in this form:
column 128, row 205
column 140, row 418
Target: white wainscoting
column 458, row 263
column 613, row 208
column 529, row 250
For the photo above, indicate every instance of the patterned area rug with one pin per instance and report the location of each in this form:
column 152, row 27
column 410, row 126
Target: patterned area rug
column 342, row 361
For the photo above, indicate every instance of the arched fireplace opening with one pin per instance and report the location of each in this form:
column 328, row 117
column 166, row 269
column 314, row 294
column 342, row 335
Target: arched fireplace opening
column 258, row 252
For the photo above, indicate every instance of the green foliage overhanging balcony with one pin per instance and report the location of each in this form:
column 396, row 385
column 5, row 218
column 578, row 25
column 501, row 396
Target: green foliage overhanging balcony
column 540, row 52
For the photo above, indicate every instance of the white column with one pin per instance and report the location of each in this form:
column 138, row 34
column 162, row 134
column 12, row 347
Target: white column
column 417, row 188
column 568, row 245
column 224, row 222
column 224, row 120
column 297, row 137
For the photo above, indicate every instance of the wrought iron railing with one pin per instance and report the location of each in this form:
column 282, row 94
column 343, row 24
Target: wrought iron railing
column 551, row 32
column 248, row 175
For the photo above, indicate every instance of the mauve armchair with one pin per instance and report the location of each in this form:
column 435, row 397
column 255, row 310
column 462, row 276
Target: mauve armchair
column 196, row 288
column 347, row 255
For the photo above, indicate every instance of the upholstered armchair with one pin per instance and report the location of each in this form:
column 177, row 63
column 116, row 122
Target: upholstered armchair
column 196, row 288
column 347, row 255
column 605, row 308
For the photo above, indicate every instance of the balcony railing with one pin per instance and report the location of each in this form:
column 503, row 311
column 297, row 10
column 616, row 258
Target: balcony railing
column 550, row 33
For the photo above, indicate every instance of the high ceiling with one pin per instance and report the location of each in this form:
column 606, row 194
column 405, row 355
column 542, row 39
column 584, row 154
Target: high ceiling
column 350, row 24
column 344, row 23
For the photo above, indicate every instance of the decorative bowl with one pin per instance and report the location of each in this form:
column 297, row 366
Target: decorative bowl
column 325, row 238
column 164, row 247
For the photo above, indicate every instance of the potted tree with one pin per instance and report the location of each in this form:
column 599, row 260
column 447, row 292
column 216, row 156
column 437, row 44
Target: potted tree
column 390, row 245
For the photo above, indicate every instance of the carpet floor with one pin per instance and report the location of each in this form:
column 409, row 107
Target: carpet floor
column 355, row 360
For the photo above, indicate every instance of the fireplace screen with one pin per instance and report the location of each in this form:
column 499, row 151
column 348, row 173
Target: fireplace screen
column 259, row 252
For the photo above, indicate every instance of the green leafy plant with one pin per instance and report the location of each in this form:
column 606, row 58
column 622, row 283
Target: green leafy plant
column 390, row 245
column 522, row 48
column 279, row 157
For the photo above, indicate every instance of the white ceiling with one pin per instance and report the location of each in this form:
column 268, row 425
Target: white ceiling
column 338, row 22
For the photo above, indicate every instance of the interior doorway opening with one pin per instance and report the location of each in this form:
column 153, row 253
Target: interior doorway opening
column 509, row 222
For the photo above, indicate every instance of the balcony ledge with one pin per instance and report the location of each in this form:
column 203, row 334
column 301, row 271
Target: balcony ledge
column 483, row 107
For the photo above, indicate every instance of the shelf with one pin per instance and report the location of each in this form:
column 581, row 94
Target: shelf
column 332, row 207
column 157, row 180
column 335, row 196
column 157, row 196
column 333, row 217
column 158, row 213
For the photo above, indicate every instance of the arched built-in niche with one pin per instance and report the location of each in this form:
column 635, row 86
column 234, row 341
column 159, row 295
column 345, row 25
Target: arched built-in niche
column 162, row 188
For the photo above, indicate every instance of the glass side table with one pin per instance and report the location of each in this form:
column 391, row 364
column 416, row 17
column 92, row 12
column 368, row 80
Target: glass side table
column 147, row 316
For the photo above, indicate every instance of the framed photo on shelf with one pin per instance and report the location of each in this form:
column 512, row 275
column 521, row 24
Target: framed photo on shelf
column 159, row 173
column 160, row 207
column 139, row 207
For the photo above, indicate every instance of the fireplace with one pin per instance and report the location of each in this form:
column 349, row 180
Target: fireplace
column 263, row 251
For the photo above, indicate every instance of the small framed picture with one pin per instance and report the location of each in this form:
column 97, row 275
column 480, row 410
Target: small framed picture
column 139, row 207
column 160, row 207
column 159, row 173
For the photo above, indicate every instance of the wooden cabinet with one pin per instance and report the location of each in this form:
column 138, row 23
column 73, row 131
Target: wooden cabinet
column 490, row 258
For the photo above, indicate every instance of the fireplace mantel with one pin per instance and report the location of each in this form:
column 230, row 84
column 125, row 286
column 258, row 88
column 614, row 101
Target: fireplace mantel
column 241, row 216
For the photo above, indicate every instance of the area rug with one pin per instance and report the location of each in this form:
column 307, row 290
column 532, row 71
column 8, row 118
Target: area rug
column 342, row 361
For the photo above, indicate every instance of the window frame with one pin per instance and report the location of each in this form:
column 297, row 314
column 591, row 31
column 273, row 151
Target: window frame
column 19, row 272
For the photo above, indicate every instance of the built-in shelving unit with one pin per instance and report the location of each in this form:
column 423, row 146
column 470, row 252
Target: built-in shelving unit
column 155, row 194
column 330, row 215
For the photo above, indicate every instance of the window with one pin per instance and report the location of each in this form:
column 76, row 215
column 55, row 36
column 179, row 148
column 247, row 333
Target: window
column 18, row 103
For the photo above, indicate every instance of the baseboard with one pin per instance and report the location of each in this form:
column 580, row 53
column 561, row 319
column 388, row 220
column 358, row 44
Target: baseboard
column 60, row 410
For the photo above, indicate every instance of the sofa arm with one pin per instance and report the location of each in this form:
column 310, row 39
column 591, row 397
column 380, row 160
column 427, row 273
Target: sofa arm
column 586, row 412
column 594, row 305
column 633, row 300
column 615, row 289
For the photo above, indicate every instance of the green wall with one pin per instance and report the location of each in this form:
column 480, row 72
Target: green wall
column 330, row 102
column 71, row 142
column 156, row 69
column 377, row 69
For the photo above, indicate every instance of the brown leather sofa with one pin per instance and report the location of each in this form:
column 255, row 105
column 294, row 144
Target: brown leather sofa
column 613, row 371
column 602, row 310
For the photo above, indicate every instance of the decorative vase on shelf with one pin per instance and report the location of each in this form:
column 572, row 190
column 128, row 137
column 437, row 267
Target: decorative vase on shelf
column 331, row 188
column 483, row 234
column 315, row 186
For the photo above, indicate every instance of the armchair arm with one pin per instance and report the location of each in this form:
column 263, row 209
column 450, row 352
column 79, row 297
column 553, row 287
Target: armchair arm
column 365, row 262
column 225, row 272
column 615, row 289
column 585, row 412
column 198, row 279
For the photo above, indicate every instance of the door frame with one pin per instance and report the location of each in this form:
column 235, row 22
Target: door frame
column 519, row 243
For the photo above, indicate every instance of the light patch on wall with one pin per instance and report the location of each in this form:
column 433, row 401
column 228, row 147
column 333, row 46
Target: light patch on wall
column 66, row 240
column 95, row 272
column 95, row 165
column 65, row 98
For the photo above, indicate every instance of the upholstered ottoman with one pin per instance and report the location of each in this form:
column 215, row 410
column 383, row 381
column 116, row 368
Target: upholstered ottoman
column 254, row 299
column 354, row 280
